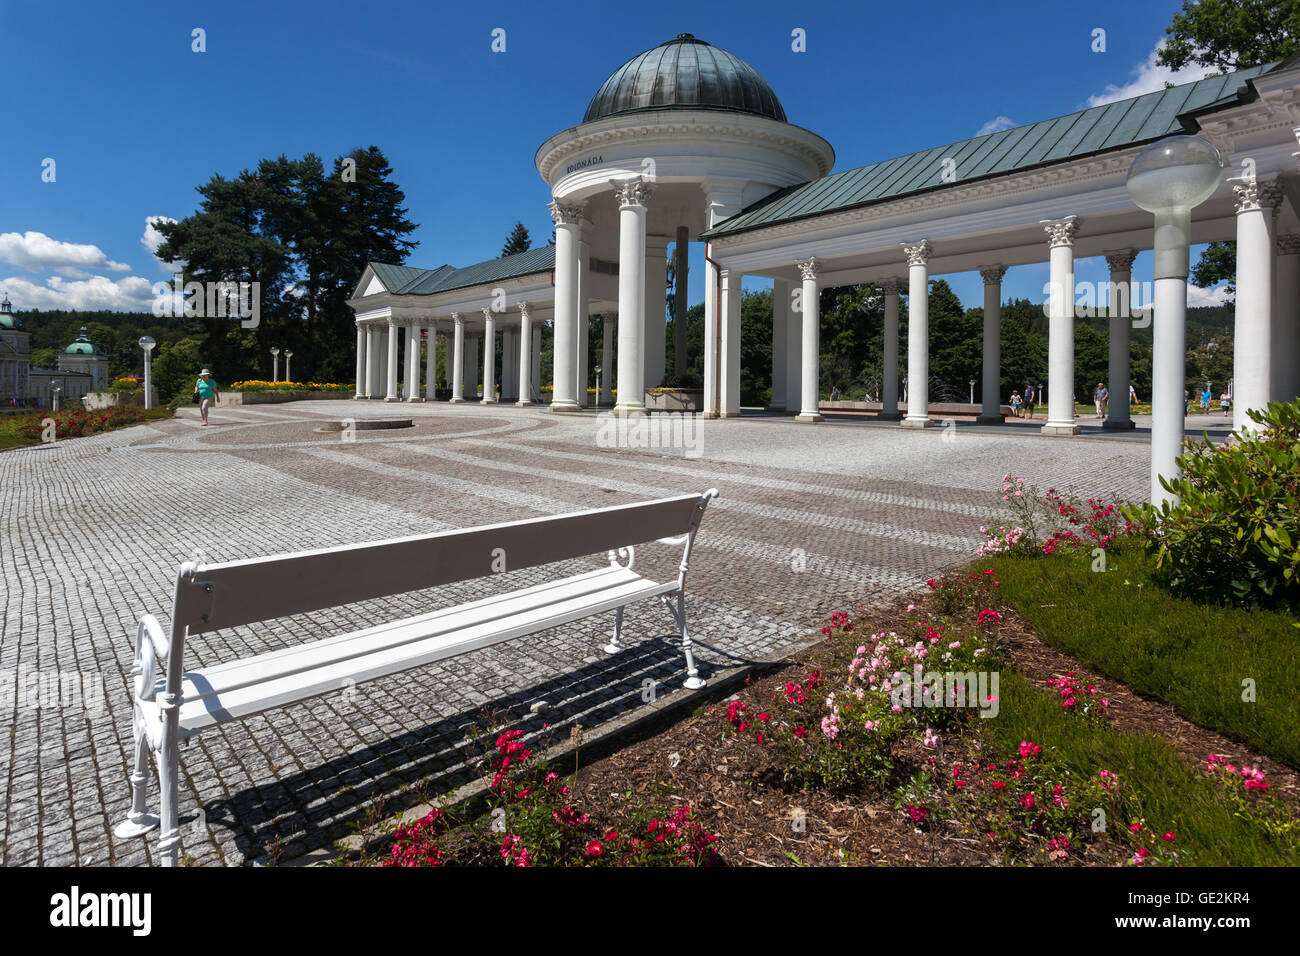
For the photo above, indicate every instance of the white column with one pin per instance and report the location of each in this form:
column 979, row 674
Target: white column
column 810, row 349
column 584, row 326
column 564, row 377
column 889, row 366
column 1118, row 305
column 360, row 390
column 391, row 368
column 780, row 321
column 509, row 356
column 1286, row 320
column 607, row 333
column 682, row 255
column 413, row 363
column 536, row 380
column 712, row 335
column 1060, row 330
column 525, row 360
column 656, row 309
column 457, row 382
column 729, row 403
column 471, row 369
column 793, row 351
column 991, row 407
column 918, row 335
column 1252, row 370
column 632, row 196
column 372, row 361
column 431, row 364
column 489, row 357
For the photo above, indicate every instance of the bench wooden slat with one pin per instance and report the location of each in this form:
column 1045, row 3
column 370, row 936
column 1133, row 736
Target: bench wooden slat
column 259, row 589
column 413, row 643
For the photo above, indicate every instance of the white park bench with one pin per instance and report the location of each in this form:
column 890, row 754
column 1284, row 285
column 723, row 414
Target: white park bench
column 182, row 703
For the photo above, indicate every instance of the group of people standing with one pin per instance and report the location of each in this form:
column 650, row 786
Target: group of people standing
column 1023, row 404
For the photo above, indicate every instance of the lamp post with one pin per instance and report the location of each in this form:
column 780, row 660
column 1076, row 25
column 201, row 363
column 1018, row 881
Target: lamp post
column 972, row 391
column 275, row 365
column 1169, row 178
column 54, row 395
column 288, row 354
column 597, row 386
column 147, row 343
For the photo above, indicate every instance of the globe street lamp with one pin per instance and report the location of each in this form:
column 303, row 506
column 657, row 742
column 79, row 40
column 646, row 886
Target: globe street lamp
column 275, row 365
column 1169, row 178
column 147, row 343
column 288, row 354
column 597, row 370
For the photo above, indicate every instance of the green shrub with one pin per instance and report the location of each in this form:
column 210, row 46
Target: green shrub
column 1234, row 535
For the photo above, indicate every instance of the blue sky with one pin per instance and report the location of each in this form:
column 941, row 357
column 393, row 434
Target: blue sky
column 135, row 120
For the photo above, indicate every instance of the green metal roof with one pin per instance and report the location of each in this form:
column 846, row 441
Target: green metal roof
column 403, row 280
column 685, row 73
column 1099, row 129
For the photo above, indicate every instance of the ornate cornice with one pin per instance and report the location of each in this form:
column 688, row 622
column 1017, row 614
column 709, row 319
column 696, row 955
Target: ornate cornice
column 992, row 275
column 1121, row 260
column 1254, row 195
column 809, row 268
column 918, row 253
column 1061, row 232
column 632, row 192
column 565, row 214
column 774, row 136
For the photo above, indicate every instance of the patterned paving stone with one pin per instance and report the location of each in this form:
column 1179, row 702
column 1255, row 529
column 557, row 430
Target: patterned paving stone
column 810, row 519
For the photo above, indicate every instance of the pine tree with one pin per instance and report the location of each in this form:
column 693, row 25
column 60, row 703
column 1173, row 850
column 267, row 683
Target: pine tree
column 517, row 241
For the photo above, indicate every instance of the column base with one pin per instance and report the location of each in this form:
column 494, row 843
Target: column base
column 917, row 423
column 523, row 404
column 809, row 417
column 359, row 396
column 488, row 401
column 454, row 400
column 729, row 415
column 1119, row 426
column 628, row 411
column 1058, row 428
column 560, row 407
column 391, row 398
column 416, row 401
column 990, row 419
column 889, row 416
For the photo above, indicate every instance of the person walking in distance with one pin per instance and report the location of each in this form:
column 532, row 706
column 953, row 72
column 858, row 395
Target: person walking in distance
column 205, row 389
column 1030, row 398
column 1100, row 396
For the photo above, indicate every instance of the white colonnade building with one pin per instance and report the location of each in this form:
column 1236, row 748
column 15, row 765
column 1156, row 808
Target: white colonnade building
column 687, row 142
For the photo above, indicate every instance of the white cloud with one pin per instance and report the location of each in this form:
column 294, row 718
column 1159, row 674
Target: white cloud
column 152, row 239
column 1148, row 77
column 128, row 294
column 35, row 251
column 1197, row 297
column 996, row 125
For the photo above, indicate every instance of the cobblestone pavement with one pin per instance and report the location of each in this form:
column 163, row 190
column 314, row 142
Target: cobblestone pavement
column 810, row 519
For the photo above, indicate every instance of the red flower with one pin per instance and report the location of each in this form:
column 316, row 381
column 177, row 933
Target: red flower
column 594, row 848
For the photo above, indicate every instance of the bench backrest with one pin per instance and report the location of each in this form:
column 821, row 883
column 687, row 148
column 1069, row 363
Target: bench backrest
column 259, row 589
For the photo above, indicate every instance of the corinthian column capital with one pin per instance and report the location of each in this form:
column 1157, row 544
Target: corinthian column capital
column 565, row 214
column 632, row 192
column 1253, row 194
column 890, row 286
column 918, row 253
column 992, row 275
column 809, row 268
column 1061, row 232
column 1121, row 260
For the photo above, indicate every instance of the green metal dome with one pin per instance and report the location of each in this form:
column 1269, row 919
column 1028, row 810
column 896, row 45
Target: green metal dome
column 7, row 318
column 685, row 73
column 83, row 345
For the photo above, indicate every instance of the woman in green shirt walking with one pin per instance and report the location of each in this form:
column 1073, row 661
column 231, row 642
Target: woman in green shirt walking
column 206, row 390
